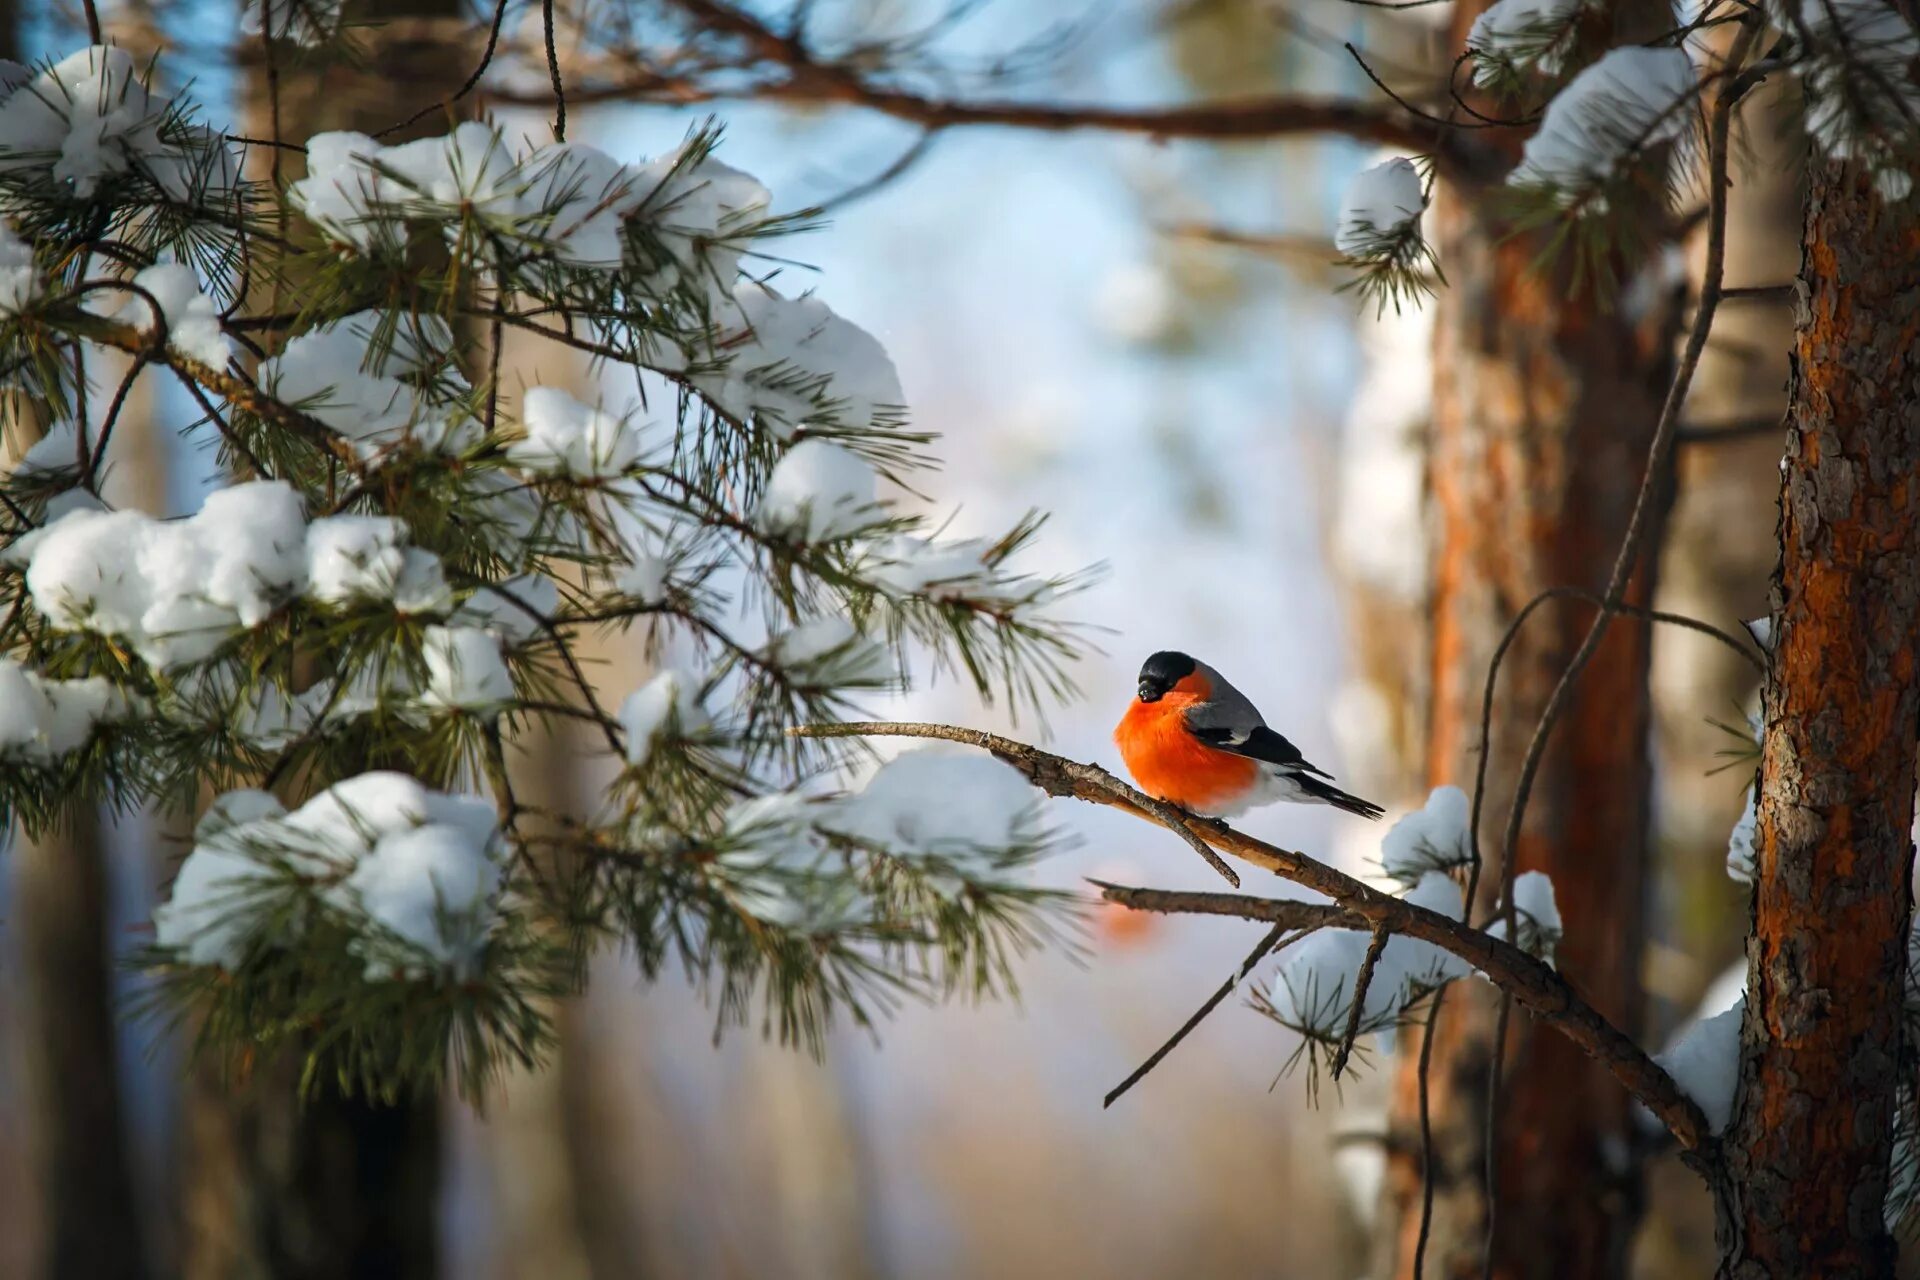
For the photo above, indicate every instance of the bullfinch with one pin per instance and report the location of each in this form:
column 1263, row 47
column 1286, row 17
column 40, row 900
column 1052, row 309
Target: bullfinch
column 1194, row 740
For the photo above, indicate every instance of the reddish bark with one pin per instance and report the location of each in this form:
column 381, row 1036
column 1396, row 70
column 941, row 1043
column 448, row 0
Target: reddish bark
column 1807, row 1151
column 1545, row 404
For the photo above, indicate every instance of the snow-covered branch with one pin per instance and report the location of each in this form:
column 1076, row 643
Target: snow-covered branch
column 1354, row 906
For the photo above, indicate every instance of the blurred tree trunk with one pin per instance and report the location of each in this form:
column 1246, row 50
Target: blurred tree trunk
column 77, row 1141
column 1821, row 1049
column 1545, row 401
column 334, row 1186
column 76, row 1138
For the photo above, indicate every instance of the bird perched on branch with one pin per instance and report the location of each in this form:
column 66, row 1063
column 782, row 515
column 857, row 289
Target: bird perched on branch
column 1194, row 740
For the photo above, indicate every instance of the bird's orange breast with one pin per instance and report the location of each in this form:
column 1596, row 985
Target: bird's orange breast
column 1169, row 763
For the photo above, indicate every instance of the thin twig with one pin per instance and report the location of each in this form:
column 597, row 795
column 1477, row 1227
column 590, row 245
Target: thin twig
column 913, row 155
column 553, row 74
column 486, row 60
column 1362, row 981
column 1225, row 989
column 1426, row 1139
column 1495, row 1075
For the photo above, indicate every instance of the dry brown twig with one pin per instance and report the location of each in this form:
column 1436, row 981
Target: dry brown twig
column 1356, row 905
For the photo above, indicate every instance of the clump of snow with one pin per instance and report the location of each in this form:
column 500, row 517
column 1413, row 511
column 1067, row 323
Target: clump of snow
column 43, row 720
column 943, row 803
column 665, row 707
column 1705, row 1063
column 567, row 438
column 777, row 869
column 432, row 888
column 417, row 872
column 210, row 915
column 584, row 197
column 1631, row 99
column 502, row 610
column 818, row 491
column 692, row 217
column 1313, row 990
column 20, row 280
column 828, row 651
column 1382, row 207
column 192, row 321
column 641, row 572
column 565, row 199
column 789, row 362
column 1740, row 860
column 338, row 374
column 89, row 120
column 361, row 559
column 465, row 670
column 175, row 590
column 1411, row 965
column 1536, row 920
column 361, row 193
column 1431, row 838
column 1514, row 35
column 953, row 570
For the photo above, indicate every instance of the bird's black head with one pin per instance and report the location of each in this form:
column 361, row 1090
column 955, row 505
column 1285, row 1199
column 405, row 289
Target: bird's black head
column 1161, row 672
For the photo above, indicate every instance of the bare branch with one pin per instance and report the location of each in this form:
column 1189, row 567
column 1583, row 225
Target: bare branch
column 1268, row 944
column 804, row 78
column 1540, row 990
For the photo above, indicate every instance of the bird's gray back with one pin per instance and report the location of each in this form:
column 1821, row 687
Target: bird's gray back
column 1227, row 708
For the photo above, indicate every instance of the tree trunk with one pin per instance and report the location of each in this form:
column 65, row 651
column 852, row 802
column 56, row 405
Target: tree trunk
column 1545, row 401
column 76, row 1135
column 335, row 1186
column 1808, row 1147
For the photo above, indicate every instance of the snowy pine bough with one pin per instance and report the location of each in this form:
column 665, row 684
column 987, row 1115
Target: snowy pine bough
column 1614, row 139
column 344, row 643
column 1428, row 854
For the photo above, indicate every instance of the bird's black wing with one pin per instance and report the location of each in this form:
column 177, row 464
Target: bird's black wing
column 1258, row 743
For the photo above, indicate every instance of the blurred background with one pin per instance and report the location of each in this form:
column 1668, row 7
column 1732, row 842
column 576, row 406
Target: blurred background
column 1143, row 337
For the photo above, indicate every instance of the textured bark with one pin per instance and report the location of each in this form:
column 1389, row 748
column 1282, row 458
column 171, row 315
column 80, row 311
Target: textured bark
column 1808, row 1147
column 1545, row 402
column 334, row 1187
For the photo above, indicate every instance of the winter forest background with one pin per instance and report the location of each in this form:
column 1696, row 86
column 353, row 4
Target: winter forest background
column 1143, row 336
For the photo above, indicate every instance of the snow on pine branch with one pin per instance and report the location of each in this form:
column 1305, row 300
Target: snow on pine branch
column 1632, row 100
column 1379, row 234
column 1428, row 852
column 1513, row 37
column 400, row 569
column 1857, row 69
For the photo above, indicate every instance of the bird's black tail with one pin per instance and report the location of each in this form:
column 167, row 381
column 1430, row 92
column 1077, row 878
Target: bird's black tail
column 1336, row 797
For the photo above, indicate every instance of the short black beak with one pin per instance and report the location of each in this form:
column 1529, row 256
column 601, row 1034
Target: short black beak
column 1150, row 692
